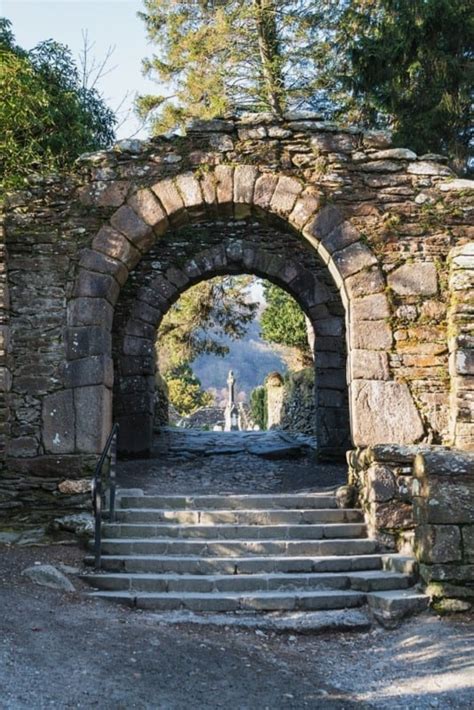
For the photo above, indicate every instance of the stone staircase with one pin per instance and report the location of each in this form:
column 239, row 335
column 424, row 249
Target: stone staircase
column 227, row 553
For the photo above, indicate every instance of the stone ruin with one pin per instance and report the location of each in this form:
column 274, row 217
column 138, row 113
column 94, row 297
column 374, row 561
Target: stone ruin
column 374, row 242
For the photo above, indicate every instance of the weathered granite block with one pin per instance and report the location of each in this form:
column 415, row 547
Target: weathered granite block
column 438, row 543
column 93, row 411
column 59, row 423
column 468, row 542
column 414, row 280
column 369, row 364
column 384, row 412
column 92, row 370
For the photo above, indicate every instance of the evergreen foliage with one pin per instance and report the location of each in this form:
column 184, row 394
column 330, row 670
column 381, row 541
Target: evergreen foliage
column 184, row 390
column 258, row 406
column 222, row 56
column 406, row 64
column 283, row 322
column 47, row 117
column 193, row 326
column 410, row 64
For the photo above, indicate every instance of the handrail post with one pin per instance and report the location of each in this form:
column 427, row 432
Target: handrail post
column 110, row 446
column 98, row 522
column 113, row 474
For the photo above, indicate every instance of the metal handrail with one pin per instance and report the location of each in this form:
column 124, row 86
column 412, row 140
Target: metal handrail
column 97, row 490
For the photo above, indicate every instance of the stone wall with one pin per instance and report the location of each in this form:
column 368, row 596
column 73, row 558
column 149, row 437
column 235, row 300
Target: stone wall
column 383, row 476
column 444, row 517
column 275, row 395
column 359, row 232
column 461, row 345
column 420, row 500
column 291, row 401
column 299, row 404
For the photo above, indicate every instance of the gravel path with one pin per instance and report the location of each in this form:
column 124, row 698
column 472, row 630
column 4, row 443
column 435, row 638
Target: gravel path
column 63, row 650
column 200, row 462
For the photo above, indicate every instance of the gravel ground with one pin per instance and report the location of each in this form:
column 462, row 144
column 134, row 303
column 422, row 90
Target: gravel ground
column 65, row 650
column 200, row 462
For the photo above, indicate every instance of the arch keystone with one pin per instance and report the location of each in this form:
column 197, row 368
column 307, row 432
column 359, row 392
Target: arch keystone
column 224, row 184
column 245, row 177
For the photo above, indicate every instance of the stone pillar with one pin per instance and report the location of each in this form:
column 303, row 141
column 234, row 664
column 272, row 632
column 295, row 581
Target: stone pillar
column 461, row 347
column 444, row 517
column 275, row 397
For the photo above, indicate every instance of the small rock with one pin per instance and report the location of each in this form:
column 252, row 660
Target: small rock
column 127, row 145
column 72, row 487
column 77, row 523
column 48, row 576
column 452, row 606
column 346, row 496
column 454, row 185
column 221, row 142
column 171, row 158
column 423, row 198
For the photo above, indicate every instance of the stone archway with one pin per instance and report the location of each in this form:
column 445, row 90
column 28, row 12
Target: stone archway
column 239, row 192
column 138, row 320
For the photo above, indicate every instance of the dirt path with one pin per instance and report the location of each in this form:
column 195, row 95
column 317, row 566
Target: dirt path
column 66, row 651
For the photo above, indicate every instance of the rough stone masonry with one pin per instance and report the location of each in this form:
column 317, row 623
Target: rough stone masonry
column 374, row 242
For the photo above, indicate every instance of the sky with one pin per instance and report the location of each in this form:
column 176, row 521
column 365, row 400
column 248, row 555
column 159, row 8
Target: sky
column 108, row 23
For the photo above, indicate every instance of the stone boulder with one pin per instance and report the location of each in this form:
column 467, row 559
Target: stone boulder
column 48, row 576
column 81, row 524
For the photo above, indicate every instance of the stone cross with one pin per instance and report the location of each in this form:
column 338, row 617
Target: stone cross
column 231, row 387
column 232, row 417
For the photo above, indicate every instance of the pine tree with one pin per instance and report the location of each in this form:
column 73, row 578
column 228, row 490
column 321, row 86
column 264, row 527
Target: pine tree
column 410, row 64
column 222, row 56
column 284, row 323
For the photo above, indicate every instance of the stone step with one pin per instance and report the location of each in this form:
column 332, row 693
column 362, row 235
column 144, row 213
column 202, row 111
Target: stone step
column 357, row 581
column 181, row 564
column 232, row 502
column 355, row 619
column 235, row 532
column 236, row 548
column 235, row 601
column 239, row 517
column 389, row 607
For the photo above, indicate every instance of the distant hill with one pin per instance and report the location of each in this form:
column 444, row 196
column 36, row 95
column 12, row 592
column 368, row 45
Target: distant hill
column 251, row 359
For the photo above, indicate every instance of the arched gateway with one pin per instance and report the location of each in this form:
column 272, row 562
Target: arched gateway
column 374, row 242
column 249, row 222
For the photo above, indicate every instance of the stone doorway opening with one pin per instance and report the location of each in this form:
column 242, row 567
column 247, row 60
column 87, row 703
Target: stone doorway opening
column 192, row 253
